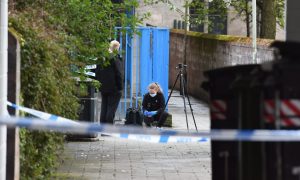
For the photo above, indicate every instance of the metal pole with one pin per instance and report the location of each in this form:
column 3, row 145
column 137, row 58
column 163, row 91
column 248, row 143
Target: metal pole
column 3, row 83
column 185, row 30
column 126, row 74
column 254, row 31
column 137, row 75
column 185, row 46
column 131, row 68
column 121, row 55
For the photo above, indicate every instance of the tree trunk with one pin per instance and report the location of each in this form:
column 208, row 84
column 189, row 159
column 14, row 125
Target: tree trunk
column 268, row 19
column 11, row 4
column 247, row 19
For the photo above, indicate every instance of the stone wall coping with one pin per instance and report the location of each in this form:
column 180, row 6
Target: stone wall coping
column 227, row 38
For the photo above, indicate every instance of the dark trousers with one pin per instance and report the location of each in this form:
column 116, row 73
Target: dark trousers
column 109, row 105
column 161, row 118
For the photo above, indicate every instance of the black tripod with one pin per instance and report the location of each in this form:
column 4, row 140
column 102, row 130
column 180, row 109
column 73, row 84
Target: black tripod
column 183, row 92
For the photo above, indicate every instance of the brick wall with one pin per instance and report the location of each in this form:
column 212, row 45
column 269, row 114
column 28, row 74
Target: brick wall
column 205, row 52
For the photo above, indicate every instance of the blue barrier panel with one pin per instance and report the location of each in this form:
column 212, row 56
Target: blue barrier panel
column 145, row 60
column 147, row 57
column 161, row 58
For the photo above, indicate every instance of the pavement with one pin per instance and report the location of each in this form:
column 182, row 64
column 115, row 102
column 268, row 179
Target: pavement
column 111, row 158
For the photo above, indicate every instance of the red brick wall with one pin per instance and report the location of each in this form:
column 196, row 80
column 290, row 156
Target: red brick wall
column 205, row 52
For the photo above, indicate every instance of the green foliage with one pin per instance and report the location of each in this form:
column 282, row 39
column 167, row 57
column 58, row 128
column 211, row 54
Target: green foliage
column 213, row 13
column 39, row 152
column 280, row 12
column 89, row 20
column 44, row 67
column 92, row 21
column 56, row 36
column 242, row 7
column 204, row 12
column 244, row 11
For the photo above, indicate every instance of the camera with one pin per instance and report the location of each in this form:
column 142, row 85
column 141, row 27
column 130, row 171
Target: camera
column 180, row 66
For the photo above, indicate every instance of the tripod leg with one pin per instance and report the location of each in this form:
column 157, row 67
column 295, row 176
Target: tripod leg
column 183, row 97
column 186, row 93
column 192, row 111
column 172, row 90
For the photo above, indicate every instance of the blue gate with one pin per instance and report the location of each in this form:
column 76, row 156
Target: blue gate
column 146, row 60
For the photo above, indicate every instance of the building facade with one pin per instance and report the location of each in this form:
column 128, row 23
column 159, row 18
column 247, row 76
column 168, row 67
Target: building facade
column 170, row 13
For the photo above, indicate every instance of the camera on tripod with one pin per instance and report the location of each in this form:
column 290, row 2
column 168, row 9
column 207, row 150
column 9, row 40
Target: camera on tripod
column 183, row 92
column 181, row 66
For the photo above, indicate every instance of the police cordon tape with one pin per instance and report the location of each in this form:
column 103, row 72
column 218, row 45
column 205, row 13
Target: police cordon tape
column 136, row 133
column 162, row 135
column 64, row 125
column 160, row 138
column 40, row 114
column 51, row 117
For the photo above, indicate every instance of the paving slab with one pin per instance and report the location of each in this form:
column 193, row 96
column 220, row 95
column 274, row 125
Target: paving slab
column 113, row 158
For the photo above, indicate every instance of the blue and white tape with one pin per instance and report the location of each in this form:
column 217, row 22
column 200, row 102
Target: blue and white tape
column 89, row 67
column 160, row 139
column 93, row 66
column 90, row 74
column 36, row 125
column 162, row 136
column 40, row 114
column 60, row 124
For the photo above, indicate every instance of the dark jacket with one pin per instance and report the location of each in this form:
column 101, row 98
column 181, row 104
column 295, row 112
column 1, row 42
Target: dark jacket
column 155, row 103
column 111, row 77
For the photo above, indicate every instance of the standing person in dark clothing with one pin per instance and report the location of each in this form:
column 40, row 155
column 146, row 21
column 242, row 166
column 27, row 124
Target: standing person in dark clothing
column 111, row 79
column 153, row 106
